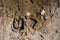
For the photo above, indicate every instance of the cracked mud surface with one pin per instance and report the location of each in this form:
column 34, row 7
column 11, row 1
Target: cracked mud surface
column 29, row 19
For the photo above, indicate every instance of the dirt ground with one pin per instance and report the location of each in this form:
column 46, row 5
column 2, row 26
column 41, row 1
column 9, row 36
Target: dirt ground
column 29, row 19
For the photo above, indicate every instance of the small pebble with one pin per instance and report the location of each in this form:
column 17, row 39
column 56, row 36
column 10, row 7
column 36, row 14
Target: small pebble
column 43, row 12
column 28, row 14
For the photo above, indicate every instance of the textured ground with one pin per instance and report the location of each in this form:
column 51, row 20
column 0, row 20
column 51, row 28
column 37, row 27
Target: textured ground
column 29, row 19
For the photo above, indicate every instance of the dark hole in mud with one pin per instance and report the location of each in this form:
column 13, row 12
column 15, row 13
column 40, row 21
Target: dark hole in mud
column 42, row 36
column 56, row 31
column 31, row 1
column 58, row 3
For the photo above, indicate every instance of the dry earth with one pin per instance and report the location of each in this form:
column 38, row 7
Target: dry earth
column 29, row 19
